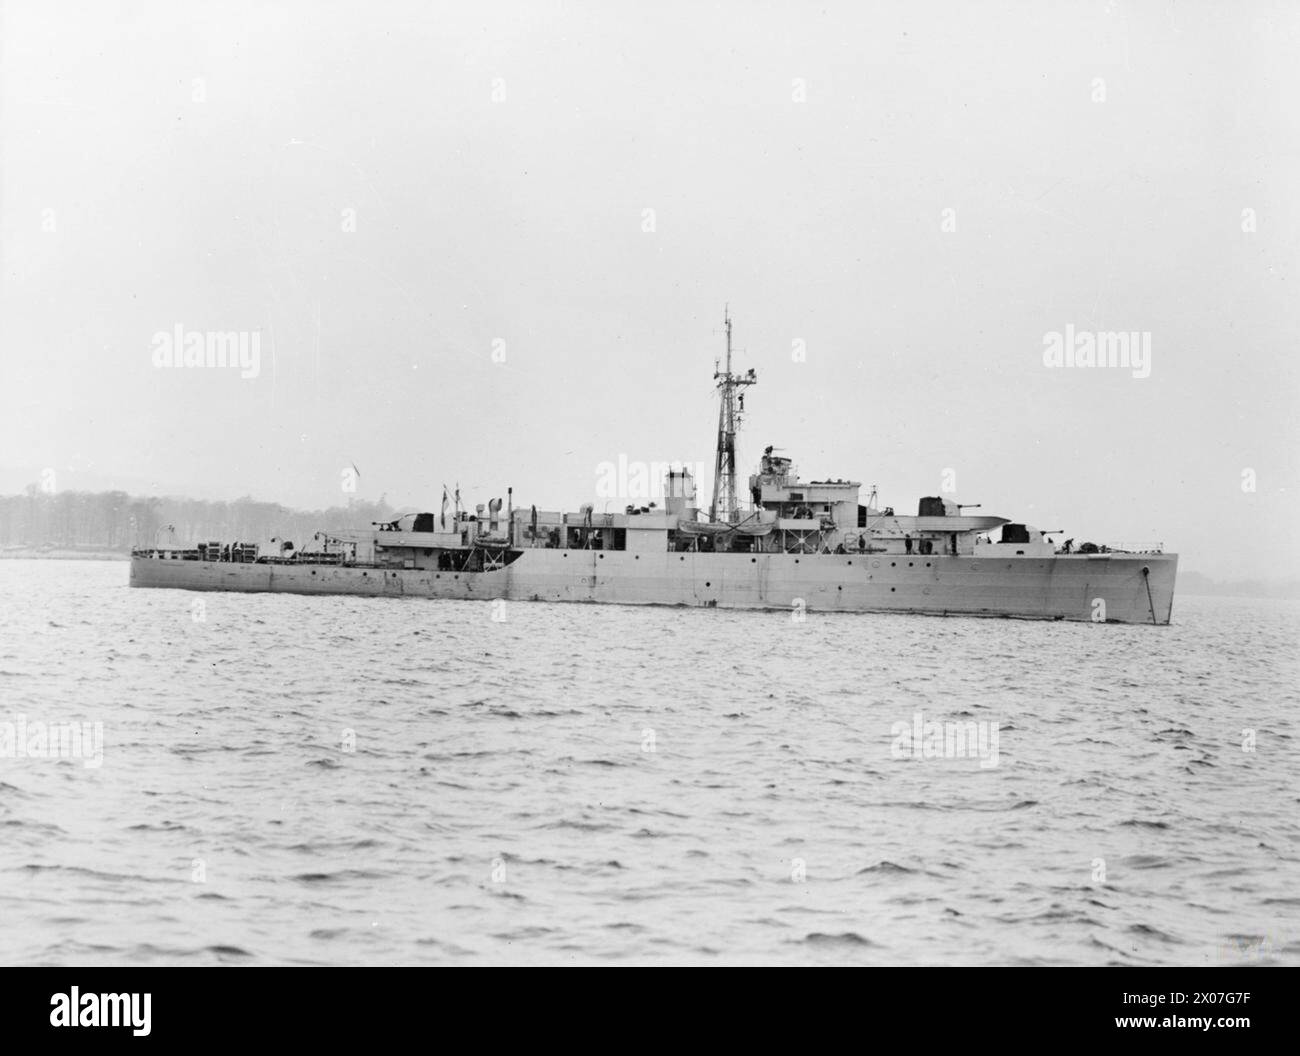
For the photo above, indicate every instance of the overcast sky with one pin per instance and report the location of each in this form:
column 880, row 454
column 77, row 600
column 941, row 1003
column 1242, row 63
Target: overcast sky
column 491, row 243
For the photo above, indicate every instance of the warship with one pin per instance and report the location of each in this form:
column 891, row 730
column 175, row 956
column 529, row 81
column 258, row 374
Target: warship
column 795, row 545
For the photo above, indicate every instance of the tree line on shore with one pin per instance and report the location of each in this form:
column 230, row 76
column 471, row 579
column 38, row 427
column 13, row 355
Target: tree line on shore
column 116, row 521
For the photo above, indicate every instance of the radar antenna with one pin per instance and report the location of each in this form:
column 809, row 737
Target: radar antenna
column 724, row 507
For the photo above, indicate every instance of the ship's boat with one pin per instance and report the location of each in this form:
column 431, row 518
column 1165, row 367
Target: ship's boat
column 754, row 527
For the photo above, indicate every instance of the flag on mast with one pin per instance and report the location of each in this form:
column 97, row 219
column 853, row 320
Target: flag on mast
column 444, row 507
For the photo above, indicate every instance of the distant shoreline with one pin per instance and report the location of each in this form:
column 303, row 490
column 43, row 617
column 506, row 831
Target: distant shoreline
column 34, row 554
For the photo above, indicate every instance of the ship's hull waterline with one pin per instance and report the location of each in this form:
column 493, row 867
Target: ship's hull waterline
column 1111, row 588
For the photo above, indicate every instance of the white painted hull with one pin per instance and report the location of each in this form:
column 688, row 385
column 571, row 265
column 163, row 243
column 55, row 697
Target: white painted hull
column 1109, row 587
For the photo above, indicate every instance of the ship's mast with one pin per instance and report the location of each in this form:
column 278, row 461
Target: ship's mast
column 724, row 507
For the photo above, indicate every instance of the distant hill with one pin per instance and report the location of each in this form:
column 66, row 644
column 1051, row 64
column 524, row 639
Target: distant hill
column 105, row 523
column 1196, row 583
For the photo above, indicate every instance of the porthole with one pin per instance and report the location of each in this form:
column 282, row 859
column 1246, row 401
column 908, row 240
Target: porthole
column 893, row 564
column 707, row 583
column 892, row 589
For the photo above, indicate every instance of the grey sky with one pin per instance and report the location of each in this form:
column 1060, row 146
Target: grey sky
column 202, row 165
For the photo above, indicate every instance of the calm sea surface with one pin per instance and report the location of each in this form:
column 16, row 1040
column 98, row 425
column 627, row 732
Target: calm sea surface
column 339, row 781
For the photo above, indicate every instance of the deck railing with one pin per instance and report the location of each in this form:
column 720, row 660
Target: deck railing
column 1134, row 548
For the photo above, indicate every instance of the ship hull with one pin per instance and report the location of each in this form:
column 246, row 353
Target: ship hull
column 1110, row 588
